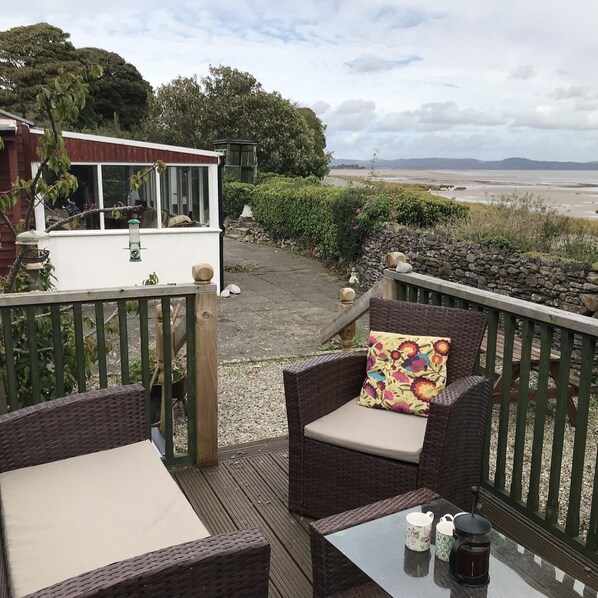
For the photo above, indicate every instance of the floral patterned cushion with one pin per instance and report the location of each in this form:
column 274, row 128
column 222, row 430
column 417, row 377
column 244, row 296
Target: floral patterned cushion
column 404, row 372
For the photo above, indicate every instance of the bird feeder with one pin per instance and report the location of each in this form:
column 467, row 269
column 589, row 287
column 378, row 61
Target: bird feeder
column 134, row 240
column 31, row 255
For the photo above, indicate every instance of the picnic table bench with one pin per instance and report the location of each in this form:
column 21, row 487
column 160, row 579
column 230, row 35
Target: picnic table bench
column 554, row 372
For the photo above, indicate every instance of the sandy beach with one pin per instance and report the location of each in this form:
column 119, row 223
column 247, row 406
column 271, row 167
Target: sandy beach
column 574, row 192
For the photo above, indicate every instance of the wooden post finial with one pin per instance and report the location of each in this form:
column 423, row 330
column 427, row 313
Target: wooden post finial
column 202, row 273
column 347, row 296
column 393, row 258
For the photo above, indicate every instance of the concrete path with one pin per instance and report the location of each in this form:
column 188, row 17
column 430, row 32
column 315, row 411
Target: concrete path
column 285, row 301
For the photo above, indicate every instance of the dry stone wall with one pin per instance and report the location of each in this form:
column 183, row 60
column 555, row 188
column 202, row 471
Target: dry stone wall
column 571, row 286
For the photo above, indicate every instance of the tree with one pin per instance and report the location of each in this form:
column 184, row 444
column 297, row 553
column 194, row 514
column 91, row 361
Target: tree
column 318, row 129
column 60, row 102
column 31, row 57
column 175, row 114
column 228, row 103
column 120, row 96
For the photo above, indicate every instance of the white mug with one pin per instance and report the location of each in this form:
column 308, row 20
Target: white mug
column 444, row 537
column 418, row 531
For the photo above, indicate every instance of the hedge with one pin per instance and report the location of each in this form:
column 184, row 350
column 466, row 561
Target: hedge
column 338, row 220
column 234, row 197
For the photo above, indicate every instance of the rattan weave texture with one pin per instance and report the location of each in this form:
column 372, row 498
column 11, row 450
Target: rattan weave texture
column 235, row 564
column 326, row 479
column 93, row 421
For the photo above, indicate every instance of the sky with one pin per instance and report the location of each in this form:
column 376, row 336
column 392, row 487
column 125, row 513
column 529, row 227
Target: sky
column 486, row 79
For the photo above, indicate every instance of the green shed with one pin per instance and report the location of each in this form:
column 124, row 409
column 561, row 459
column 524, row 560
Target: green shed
column 241, row 159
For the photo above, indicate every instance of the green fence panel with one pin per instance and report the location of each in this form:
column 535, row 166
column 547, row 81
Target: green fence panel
column 527, row 336
column 588, row 348
column 191, row 377
column 558, row 437
column 79, row 346
column 11, row 375
column 123, row 337
column 34, row 380
column 491, row 336
column 101, row 342
column 505, row 398
column 167, row 385
column 533, row 496
column 58, row 349
column 146, row 375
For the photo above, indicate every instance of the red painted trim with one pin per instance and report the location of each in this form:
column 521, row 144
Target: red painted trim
column 84, row 150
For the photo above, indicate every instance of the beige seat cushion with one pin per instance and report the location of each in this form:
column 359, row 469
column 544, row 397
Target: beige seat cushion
column 72, row 516
column 373, row 431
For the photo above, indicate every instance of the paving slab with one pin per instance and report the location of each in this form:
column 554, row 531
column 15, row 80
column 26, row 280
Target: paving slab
column 286, row 299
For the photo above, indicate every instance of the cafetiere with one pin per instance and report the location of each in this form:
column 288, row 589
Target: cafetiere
column 469, row 560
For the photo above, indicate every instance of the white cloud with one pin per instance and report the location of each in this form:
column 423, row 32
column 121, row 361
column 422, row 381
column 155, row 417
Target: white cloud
column 469, row 73
column 548, row 117
column 372, row 64
column 575, row 91
column 438, row 116
column 523, row 72
column 321, row 108
column 352, row 115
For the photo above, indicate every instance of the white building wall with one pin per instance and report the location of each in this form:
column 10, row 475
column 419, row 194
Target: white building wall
column 99, row 259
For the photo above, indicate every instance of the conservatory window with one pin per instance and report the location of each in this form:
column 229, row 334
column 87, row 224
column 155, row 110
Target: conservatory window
column 184, row 193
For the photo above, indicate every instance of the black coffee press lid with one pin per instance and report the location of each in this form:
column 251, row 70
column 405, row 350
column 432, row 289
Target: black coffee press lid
column 471, row 523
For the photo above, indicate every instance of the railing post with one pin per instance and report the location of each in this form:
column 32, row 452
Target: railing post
column 3, row 398
column 346, row 296
column 206, row 367
column 389, row 285
column 160, row 366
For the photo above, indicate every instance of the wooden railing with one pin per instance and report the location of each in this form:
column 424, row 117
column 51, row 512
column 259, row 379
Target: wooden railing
column 58, row 343
column 525, row 464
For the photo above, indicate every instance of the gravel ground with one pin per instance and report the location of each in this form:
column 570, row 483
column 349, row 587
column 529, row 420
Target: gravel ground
column 242, row 384
column 257, row 385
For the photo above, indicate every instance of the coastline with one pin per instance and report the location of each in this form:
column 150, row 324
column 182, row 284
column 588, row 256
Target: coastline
column 574, row 193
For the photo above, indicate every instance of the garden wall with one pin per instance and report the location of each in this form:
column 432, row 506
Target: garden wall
column 571, row 286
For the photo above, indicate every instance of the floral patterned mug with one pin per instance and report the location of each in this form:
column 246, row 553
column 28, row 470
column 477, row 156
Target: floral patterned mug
column 444, row 537
column 419, row 530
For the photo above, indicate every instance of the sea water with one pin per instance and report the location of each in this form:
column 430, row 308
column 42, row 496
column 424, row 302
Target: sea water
column 572, row 192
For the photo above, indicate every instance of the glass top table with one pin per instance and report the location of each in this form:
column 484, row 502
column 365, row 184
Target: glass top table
column 378, row 549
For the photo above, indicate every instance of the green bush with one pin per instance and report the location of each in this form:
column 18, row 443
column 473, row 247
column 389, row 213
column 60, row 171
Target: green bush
column 422, row 210
column 296, row 209
column 234, row 197
column 335, row 220
column 338, row 220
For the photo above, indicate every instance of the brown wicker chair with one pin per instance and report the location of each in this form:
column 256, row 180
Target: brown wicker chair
column 325, row 479
column 231, row 564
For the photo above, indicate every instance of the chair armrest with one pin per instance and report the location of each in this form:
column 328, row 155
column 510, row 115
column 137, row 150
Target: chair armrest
column 75, row 425
column 318, row 386
column 451, row 456
column 234, row 564
column 333, row 572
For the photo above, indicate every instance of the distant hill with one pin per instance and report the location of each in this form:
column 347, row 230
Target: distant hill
column 464, row 164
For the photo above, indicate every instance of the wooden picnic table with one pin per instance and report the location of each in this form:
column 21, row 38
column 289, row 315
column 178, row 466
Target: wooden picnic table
column 554, row 370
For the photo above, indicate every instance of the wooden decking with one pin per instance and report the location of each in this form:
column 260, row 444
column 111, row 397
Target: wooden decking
column 249, row 489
